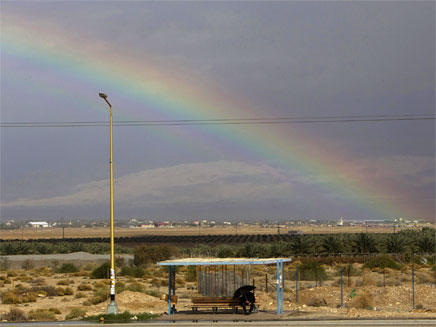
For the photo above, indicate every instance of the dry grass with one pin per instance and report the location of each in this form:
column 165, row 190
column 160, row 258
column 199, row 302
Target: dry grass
column 364, row 301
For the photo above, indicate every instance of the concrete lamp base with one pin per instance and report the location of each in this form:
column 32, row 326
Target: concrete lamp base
column 112, row 308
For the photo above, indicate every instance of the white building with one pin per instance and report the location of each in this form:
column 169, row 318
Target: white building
column 38, row 224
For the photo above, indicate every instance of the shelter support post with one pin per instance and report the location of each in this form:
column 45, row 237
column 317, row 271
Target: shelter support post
column 278, row 287
column 169, row 290
column 282, row 284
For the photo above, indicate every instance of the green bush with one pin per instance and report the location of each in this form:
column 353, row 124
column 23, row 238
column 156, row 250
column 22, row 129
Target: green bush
column 67, row 268
column 137, row 272
column 101, row 272
column 76, row 313
column 382, row 261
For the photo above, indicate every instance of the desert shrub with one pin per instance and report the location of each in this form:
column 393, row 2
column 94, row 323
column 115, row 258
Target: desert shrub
column 317, row 301
column 4, row 264
column 68, row 291
column 89, row 267
column 348, row 270
column 55, row 311
column 180, row 281
column 67, row 268
column 100, row 295
column 152, row 293
column 12, row 273
column 164, row 282
column 102, row 271
column 27, row 264
column 132, row 271
column 65, row 282
column 76, row 313
column 84, row 287
column 382, row 261
column 36, row 281
column 424, row 278
column 364, row 301
column 54, row 264
column 9, row 297
column 41, row 315
column 80, row 295
column 390, row 282
column 100, row 284
column 15, row 314
column 47, row 290
column 135, row 287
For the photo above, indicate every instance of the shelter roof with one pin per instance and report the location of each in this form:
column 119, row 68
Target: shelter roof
column 221, row 261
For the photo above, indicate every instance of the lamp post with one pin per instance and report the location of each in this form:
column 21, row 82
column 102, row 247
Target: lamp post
column 112, row 308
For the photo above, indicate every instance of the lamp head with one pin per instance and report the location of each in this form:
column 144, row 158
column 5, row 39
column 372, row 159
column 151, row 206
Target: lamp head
column 102, row 95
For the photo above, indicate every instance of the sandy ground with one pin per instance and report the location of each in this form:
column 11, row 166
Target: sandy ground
column 313, row 302
column 38, row 233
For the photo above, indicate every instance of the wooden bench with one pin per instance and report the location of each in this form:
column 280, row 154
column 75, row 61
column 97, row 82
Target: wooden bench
column 215, row 303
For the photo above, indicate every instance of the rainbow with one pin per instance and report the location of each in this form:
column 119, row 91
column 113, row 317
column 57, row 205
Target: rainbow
column 171, row 93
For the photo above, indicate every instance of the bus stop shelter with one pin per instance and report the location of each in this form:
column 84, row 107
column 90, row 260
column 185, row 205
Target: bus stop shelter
column 221, row 262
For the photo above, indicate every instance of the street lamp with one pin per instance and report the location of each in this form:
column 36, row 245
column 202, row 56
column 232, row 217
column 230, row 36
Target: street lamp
column 112, row 308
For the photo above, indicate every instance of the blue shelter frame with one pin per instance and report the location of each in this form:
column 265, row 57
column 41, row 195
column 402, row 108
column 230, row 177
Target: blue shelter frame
column 227, row 261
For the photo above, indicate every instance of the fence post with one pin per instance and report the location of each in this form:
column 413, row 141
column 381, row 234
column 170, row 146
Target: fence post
column 282, row 279
column 296, row 284
column 342, row 289
column 413, row 286
column 266, row 283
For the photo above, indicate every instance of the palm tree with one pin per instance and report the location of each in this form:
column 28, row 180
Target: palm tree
column 250, row 250
column 279, row 249
column 426, row 244
column 332, row 244
column 300, row 245
column 364, row 243
column 394, row 244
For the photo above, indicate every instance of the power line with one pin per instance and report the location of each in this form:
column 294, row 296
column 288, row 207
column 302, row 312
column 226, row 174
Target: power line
column 230, row 121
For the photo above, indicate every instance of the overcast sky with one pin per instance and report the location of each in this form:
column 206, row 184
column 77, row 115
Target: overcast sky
column 280, row 59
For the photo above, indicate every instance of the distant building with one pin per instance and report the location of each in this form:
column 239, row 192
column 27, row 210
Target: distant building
column 295, row 232
column 38, row 224
column 147, row 225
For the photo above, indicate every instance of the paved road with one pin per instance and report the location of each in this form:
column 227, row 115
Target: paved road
column 278, row 323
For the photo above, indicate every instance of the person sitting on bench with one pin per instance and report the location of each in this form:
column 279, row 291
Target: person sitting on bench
column 246, row 299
